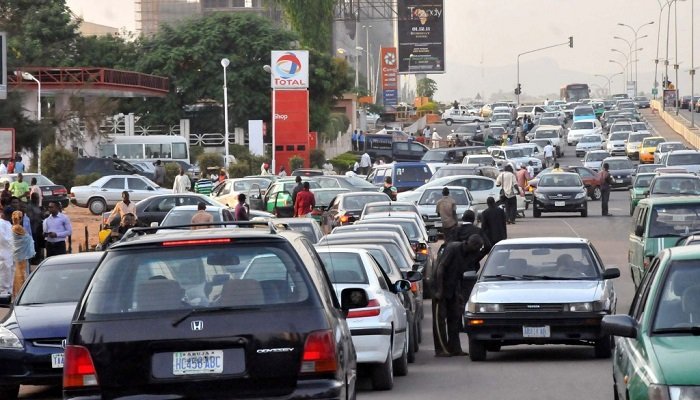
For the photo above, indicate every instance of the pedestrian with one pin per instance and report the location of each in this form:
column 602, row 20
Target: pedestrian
column 299, row 186
column 446, row 208
column 283, row 171
column 7, row 250
column 557, row 168
column 328, row 167
column 11, row 166
column 448, row 295
column 201, row 217
column 21, row 206
column 159, row 174
column 125, row 206
column 389, row 189
column 507, row 181
column 35, row 189
column 356, row 167
column 305, row 201
column 361, row 141
column 181, row 184
column 3, row 167
column 20, row 188
column 203, row 186
column 523, row 176
column 605, row 181
column 222, row 176
column 365, row 163
column 6, row 194
column 435, row 139
column 265, row 169
column 493, row 222
column 23, row 252
column 548, row 151
column 531, row 169
column 354, row 138
column 426, row 132
column 57, row 228
column 35, row 214
column 240, row 212
column 19, row 166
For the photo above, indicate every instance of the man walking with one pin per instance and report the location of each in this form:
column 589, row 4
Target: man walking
column 354, row 138
column 468, row 228
column 297, row 189
column 507, row 181
column 493, row 222
column 365, row 163
column 305, row 201
column 159, row 174
column 435, row 139
column 548, row 151
column 605, row 180
column 57, row 228
column 446, row 208
column 182, row 182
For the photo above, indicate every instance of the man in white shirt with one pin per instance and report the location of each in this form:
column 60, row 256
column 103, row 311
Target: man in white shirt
column 182, row 183
column 548, row 155
column 3, row 167
column 436, row 139
column 365, row 163
column 507, row 181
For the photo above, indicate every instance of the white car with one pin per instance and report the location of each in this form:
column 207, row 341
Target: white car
column 104, row 193
column 428, row 202
column 617, row 141
column 380, row 330
column 580, row 129
column 641, row 127
column 594, row 159
column 182, row 215
column 552, row 133
column 514, row 156
column 589, row 143
column 376, row 207
column 479, row 159
column 665, row 148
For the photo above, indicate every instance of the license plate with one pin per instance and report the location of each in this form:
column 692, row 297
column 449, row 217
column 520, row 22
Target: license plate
column 57, row 360
column 559, row 203
column 198, row 362
column 618, row 180
column 536, row 331
column 46, row 193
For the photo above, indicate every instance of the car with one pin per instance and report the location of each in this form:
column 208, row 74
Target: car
column 480, row 160
column 352, row 183
column 106, row 192
column 469, row 132
column 307, row 226
column 648, row 148
column 560, row 192
column 655, row 343
column 552, row 120
column 641, row 127
column 589, row 177
column 154, row 208
column 456, row 116
column 554, row 135
column 642, row 168
column 514, row 156
column 540, row 290
column 33, row 330
column 279, row 195
column 589, row 143
column 379, row 331
column 580, row 129
column 666, row 147
column 621, row 170
column 307, row 172
column 642, row 102
column 616, row 144
column 466, row 169
column 209, row 311
column 480, row 188
column 687, row 102
column 49, row 190
column 323, row 198
column 108, row 166
column 440, row 157
column 428, row 201
column 404, row 175
column 182, row 215
column 504, row 118
column 227, row 192
column 639, row 188
column 388, row 207
column 345, row 208
column 664, row 185
column 688, row 159
column 529, row 111
column 531, row 149
column 594, row 159
column 634, row 144
column 584, row 113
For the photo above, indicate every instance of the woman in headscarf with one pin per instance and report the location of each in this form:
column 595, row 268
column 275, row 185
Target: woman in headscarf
column 24, row 250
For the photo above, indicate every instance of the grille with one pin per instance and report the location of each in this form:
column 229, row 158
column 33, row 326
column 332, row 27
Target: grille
column 56, row 342
column 555, row 197
column 534, row 307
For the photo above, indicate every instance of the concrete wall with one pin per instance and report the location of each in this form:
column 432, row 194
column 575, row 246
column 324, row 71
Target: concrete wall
column 678, row 125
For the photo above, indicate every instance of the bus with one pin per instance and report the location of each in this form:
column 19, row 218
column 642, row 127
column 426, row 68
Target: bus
column 575, row 92
column 166, row 148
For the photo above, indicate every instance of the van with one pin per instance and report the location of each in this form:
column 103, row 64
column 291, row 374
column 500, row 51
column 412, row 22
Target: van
column 452, row 155
column 385, row 147
column 659, row 223
column 404, row 175
column 106, row 166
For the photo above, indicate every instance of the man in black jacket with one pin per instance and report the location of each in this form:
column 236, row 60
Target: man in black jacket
column 297, row 189
column 493, row 222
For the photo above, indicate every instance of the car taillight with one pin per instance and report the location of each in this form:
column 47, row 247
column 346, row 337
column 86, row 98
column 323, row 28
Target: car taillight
column 372, row 310
column 344, row 219
column 414, row 287
column 59, row 192
column 78, row 369
column 319, row 353
column 423, row 248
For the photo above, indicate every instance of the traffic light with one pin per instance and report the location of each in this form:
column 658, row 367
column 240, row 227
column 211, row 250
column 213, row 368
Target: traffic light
column 571, row 42
column 518, row 90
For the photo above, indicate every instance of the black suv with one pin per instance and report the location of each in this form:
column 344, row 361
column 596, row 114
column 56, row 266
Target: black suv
column 212, row 313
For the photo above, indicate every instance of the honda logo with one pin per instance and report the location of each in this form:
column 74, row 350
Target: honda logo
column 197, row 325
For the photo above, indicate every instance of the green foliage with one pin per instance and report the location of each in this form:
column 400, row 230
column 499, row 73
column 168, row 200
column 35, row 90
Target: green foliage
column 209, row 160
column 106, row 51
column 57, row 164
column 431, row 106
column 374, row 108
column 296, row 162
column 171, row 171
column 314, row 24
column 329, row 79
column 316, row 158
column 426, row 87
column 82, row 180
column 195, row 152
column 345, row 161
column 240, row 169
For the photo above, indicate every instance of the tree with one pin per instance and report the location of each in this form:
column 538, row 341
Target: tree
column 426, row 87
column 314, row 24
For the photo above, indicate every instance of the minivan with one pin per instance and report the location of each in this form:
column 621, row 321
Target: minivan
column 404, row 175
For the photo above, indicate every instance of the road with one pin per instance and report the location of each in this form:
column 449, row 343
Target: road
column 522, row 372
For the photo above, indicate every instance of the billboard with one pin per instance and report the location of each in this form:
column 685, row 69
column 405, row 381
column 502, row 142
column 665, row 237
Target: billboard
column 3, row 65
column 389, row 76
column 289, row 69
column 7, row 143
column 291, row 126
column 421, row 32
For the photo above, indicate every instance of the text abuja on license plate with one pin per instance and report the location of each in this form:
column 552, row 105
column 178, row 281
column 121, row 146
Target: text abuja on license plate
column 198, row 362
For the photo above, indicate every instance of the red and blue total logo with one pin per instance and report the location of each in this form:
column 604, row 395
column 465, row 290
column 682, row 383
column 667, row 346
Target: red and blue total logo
column 288, row 66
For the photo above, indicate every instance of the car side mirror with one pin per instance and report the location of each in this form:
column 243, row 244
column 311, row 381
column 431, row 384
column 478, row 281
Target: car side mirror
column 639, row 230
column 646, row 193
column 432, row 235
column 401, row 286
column 469, row 276
column 5, row 300
column 353, row 298
column 619, row 325
column 611, row 273
column 413, row 276
column 154, row 224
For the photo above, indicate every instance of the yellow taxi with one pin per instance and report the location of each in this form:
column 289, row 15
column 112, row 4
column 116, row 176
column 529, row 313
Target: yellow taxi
column 648, row 147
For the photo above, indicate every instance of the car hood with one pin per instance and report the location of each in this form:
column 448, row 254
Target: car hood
column 677, row 359
column 41, row 320
column 536, row 291
column 559, row 189
column 580, row 132
column 621, row 171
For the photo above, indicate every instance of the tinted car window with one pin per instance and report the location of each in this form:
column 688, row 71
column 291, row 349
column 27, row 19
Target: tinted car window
column 114, row 183
column 412, row 174
column 674, row 220
column 344, row 267
column 432, row 196
column 137, row 184
column 57, row 283
column 184, row 217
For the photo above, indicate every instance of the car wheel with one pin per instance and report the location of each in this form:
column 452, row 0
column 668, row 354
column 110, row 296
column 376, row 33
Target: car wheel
column 536, row 213
column 383, row 374
column 97, row 206
column 448, row 122
column 401, row 363
column 597, row 194
column 603, row 347
column 9, row 392
column 584, row 212
column 477, row 350
column 412, row 345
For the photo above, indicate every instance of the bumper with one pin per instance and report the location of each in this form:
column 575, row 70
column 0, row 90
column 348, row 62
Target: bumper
column 624, row 181
column 508, row 329
column 574, row 205
column 620, row 151
column 23, row 368
column 646, row 158
column 371, row 348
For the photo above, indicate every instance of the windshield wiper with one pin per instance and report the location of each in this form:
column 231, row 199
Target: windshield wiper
column 693, row 330
column 208, row 310
column 503, row 276
column 665, row 235
column 552, row 278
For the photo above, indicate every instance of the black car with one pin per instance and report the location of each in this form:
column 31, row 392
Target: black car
column 560, row 192
column 621, row 171
column 452, row 155
column 345, row 208
column 106, row 166
column 154, row 208
column 49, row 190
column 205, row 314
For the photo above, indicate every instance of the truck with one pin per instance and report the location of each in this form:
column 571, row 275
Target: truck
column 460, row 115
column 384, row 147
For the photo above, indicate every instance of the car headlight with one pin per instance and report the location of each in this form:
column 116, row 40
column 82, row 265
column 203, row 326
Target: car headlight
column 581, row 195
column 484, row 307
column 540, row 196
column 658, row 392
column 580, row 307
column 683, row 392
column 9, row 340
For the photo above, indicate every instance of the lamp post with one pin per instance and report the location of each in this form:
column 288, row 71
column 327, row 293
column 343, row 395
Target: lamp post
column 273, row 163
column 609, row 79
column 627, row 62
column 369, row 83
column 629, row 54
column 29, row 77
column 692, row 62
column 658, row 39
column 623, row 70
column 569, row 42
column 225, row 63
column 636, row 54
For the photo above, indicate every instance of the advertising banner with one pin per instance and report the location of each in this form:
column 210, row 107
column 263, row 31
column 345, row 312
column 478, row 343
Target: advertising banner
column 289, row 69
column 670, row 98
column 7, row 143
column 421, row 32
column 291, row 126
column 389, row 76
column 255, row 137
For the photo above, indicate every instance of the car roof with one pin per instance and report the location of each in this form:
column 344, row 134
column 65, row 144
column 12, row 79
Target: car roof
column 390, row 203
column 339, row 249
column 460, row 188
column 91, row 256
column 684, row 152
column 192, row 207
column 676, row 175
column 167, row 234
column 670, row 200
column 617, row 158
column 545, row 240
column 684, row 253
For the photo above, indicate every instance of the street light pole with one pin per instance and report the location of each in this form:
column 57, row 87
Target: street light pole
column 225, row 63
column 609, row 79
column 369, row 83
column 621, row 73
column 675, row 65
column 570, row 42
column 29, row 77
column 627, row 63
column 692, row 63
column 636, row 54
column 658, row 39
column 629, row 45
column 273, row 161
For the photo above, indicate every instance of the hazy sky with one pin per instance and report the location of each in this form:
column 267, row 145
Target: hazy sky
column 495, row 31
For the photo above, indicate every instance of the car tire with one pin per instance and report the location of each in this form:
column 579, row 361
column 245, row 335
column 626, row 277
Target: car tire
column 603, row 347
column 448, row 122
column 97, row 206
column 597, row 193
column 383, row 374
column 477, row 350
column 535, row 212
column 401, row 364
column 9, row 392
column 412, row 345
column 584, row 213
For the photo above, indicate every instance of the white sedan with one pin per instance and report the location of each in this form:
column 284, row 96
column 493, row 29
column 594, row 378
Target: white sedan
column 379, row 331
column 106, row 192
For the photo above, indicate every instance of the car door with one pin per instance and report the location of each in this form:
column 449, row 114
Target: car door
column 416, row 151
column 112, row 190
column 637, row 243
column 138, row 189
column 328, row 216
column 400, row 151
column 156, row 209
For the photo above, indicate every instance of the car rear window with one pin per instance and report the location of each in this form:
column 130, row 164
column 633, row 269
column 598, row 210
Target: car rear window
column 357, row 203
column 57, row 283
column 674, row 220
column 582, row 125
column 452, row 171
column 184, row 217
column 344, row 267
column 419, row 173
column 182, row 276
column 683, row 159
column 384, row 208
column 432, row 196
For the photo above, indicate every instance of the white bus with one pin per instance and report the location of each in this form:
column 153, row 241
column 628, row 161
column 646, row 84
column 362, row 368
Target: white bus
column 147, row 148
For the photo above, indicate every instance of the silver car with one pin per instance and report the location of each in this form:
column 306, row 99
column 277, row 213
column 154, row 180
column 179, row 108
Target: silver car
column 428, row 201
column 106, row 192
column 549, row 290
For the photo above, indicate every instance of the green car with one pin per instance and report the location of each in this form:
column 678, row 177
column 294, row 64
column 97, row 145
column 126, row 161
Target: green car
column 598, row 107
column 656, row 351
column 640, row 185
column 279, row 194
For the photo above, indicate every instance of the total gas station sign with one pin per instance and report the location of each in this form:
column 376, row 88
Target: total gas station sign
column 290, row 69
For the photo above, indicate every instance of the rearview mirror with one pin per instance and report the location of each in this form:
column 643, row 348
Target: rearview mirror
column 413, row 276
column 353, row 298
column 619, row 325
column 469, row 276
column 401, row 286
column 611, row 273
column 154, row 224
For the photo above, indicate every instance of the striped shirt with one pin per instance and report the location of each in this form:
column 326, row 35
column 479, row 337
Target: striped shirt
column 203, row 186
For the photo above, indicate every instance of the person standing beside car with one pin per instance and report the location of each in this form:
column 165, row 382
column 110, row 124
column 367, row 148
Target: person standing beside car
column 159, row 174
column 305, row 201
column 181, row 184
column 507, row 181
column 57, row 228
column 548, row 151
column 20, row 188
column 493, row 222
column 240, row 212
column 605, row 181
column 201, row 216
column 389, row 189
column 35, row 189
column 298, row 188
column 446, row 208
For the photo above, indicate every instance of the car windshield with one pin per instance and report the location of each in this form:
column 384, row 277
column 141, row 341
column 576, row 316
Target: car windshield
column 248, row 184
column 435, row 155
column 418, row 173
column 637, row 137
column 540, row 142
column 652, row 142
column 183, row 276
column 619, row 136
column 525, row 108
column 639, row 126
column 549, row 121
column 451, row 171
column 559, row 180
column 674, row 220
column 57, row 283
column 514, row 153
column 641, row 168
column 620, row 164
column 683, row 159
column 596, row 156
column 527, row 151
column 583, row 111
column 643, row 181
column 679, row 299
column 344, row 267
column 541, row 261
column 621, row 128
column 546, row 134
column 501, row 117
column 582, row 125
column 590, row 139
column 431, row 197
column 676, row 185
column 384, row 208
column 324, row 197
column 184, row 217
column 481, row 160
column 357, row 202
